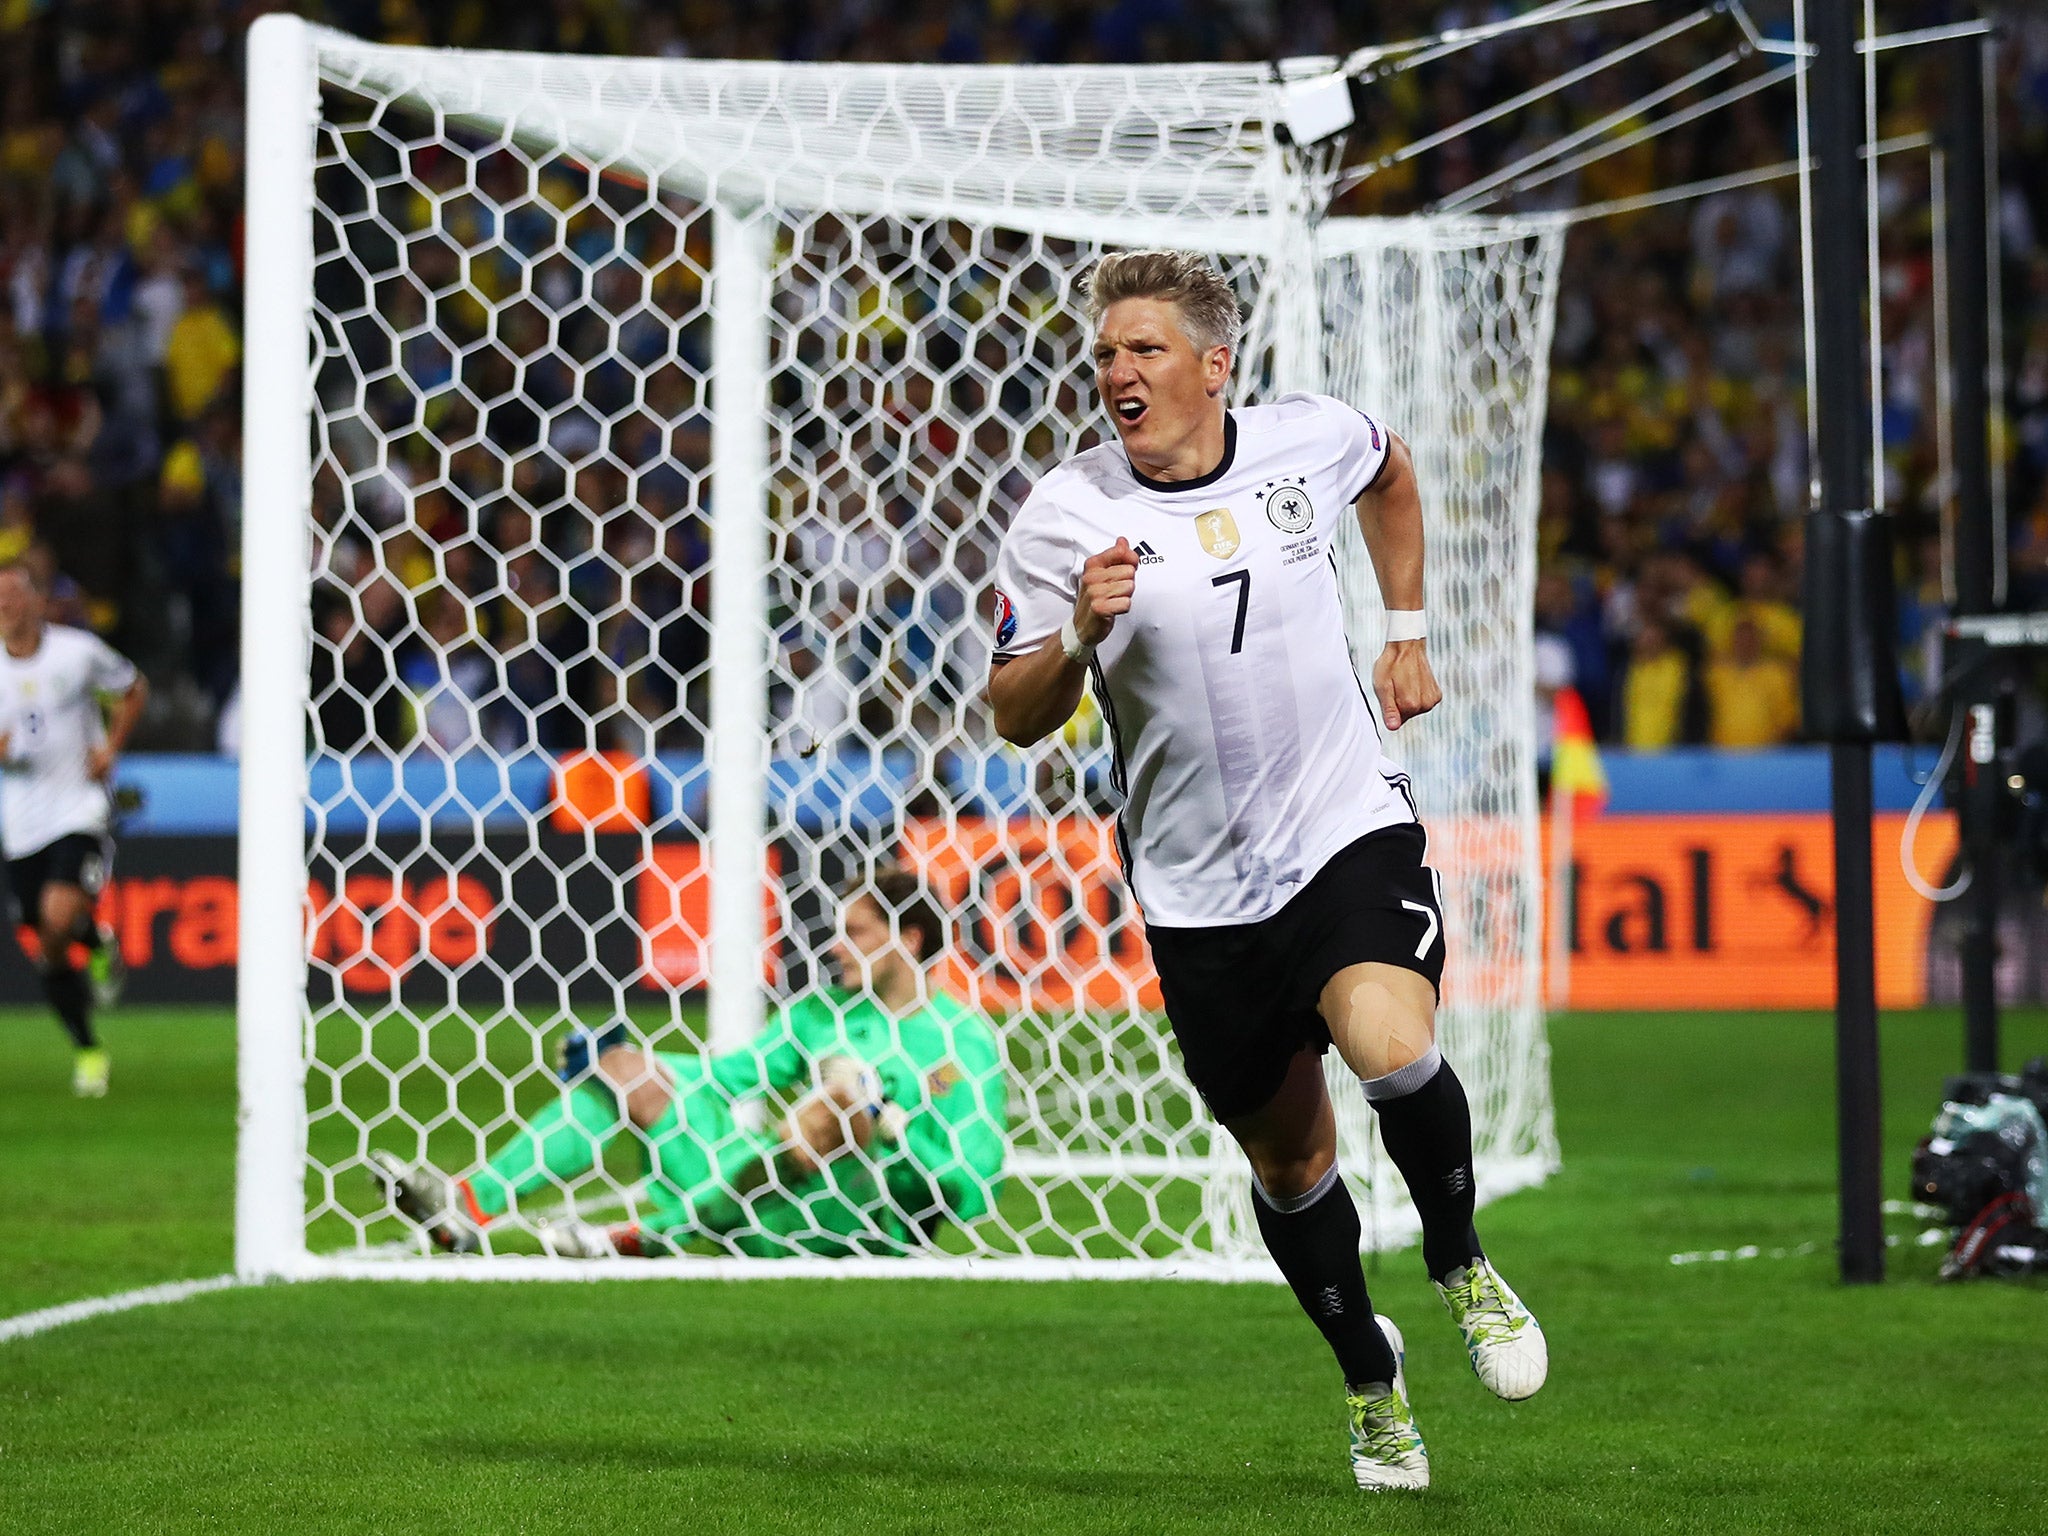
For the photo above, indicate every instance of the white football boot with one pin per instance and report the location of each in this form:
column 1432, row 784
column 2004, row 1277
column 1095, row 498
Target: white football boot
column 90, row 1069
column 572, row 1238
column 1501, row 1335
column 1386, row 1447
column 427, row 1198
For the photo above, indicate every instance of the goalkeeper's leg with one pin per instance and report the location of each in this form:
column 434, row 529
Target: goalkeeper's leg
column 793, row 1206
column 699, row 1158
column 562, row 1142
column 703, row 1165
column 841, row 1214
column 712, row 1176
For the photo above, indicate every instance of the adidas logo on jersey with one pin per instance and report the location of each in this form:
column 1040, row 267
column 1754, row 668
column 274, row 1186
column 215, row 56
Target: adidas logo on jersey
column 1147, row 555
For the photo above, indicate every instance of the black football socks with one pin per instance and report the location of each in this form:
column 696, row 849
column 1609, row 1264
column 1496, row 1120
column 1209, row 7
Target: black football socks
column 1313, row 1237
column 1426, row 1124
column 69, row 995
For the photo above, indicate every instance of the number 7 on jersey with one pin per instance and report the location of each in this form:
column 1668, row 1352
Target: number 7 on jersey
column 1244, row 599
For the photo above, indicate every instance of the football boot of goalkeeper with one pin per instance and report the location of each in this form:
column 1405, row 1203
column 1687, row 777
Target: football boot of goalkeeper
column 573, row 1238
column 1502, row 1336
column 428, row 1199
column 1386, row 1446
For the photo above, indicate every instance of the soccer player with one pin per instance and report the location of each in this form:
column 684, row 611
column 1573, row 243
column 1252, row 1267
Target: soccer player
column 1189, row 569
column 58, row 747
column 900, row 1131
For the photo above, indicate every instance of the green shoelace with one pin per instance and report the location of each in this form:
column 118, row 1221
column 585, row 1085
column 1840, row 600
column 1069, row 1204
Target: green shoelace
column 1382, row 1426
column 1480, row 1307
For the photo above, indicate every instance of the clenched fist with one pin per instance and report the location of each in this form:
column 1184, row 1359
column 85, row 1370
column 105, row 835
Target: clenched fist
column 1107, row 581
column 1403, row 683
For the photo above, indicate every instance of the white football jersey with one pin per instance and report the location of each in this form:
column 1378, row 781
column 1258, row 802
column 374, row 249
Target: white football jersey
column 1247, row 748
column 50, row 712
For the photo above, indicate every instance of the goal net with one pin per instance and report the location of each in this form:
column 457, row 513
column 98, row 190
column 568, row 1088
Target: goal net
column 618, row 592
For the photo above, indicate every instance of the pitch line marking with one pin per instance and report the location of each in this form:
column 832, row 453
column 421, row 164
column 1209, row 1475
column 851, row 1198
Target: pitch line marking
column 27, row 1324
column 1931, row 1238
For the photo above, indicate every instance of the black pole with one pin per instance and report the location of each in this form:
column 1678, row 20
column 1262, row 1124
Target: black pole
column 1976, row 790
column 1858, row 1118
column 1849, row 680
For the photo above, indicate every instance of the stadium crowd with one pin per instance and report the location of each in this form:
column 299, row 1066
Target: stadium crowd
column 1674, row 462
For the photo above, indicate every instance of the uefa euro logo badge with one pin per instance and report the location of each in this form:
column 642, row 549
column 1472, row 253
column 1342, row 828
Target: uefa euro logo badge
column 1217, row 530
column 1290, row 510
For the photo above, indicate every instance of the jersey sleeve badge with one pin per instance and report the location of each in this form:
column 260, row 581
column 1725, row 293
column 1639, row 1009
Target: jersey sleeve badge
column 1006, row 619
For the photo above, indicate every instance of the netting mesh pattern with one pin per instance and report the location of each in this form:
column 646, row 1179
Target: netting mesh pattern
column 516, row 518
column 1445, row 327
column 966, row 141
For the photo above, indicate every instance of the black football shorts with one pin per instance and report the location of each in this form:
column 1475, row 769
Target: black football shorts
column 1242, row 998
column 76, row 858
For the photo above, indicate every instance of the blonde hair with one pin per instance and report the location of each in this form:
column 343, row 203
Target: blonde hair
column 1186, row 279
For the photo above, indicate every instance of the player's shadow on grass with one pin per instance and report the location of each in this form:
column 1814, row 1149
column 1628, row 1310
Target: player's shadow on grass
column 785, row 1457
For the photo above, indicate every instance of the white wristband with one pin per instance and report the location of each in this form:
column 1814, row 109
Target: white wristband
column 1070, row 642
column 1407, row 624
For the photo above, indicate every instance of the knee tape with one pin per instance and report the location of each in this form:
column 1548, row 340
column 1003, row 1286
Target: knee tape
column 1396, row 1029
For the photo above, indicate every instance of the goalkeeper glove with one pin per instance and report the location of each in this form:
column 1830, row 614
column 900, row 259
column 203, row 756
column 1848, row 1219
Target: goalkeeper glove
column 577, row 1051
column 863, row 1085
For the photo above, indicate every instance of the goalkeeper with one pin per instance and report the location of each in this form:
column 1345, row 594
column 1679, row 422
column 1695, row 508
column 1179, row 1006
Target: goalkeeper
column 900, row 1129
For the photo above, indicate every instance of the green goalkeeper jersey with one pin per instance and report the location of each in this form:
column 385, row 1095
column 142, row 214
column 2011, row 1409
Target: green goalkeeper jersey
column 941, row 1064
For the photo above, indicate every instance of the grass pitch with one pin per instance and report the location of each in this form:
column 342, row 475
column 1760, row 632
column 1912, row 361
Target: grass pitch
column 1742, row 1396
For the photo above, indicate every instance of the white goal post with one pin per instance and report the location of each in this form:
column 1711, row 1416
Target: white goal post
column 652, row 424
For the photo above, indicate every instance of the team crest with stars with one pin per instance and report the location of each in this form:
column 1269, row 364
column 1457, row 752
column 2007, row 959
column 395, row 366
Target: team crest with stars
column 1287, row 505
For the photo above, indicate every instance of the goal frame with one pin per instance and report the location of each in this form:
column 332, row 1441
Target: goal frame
column 277, row 467
column 278, row 414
